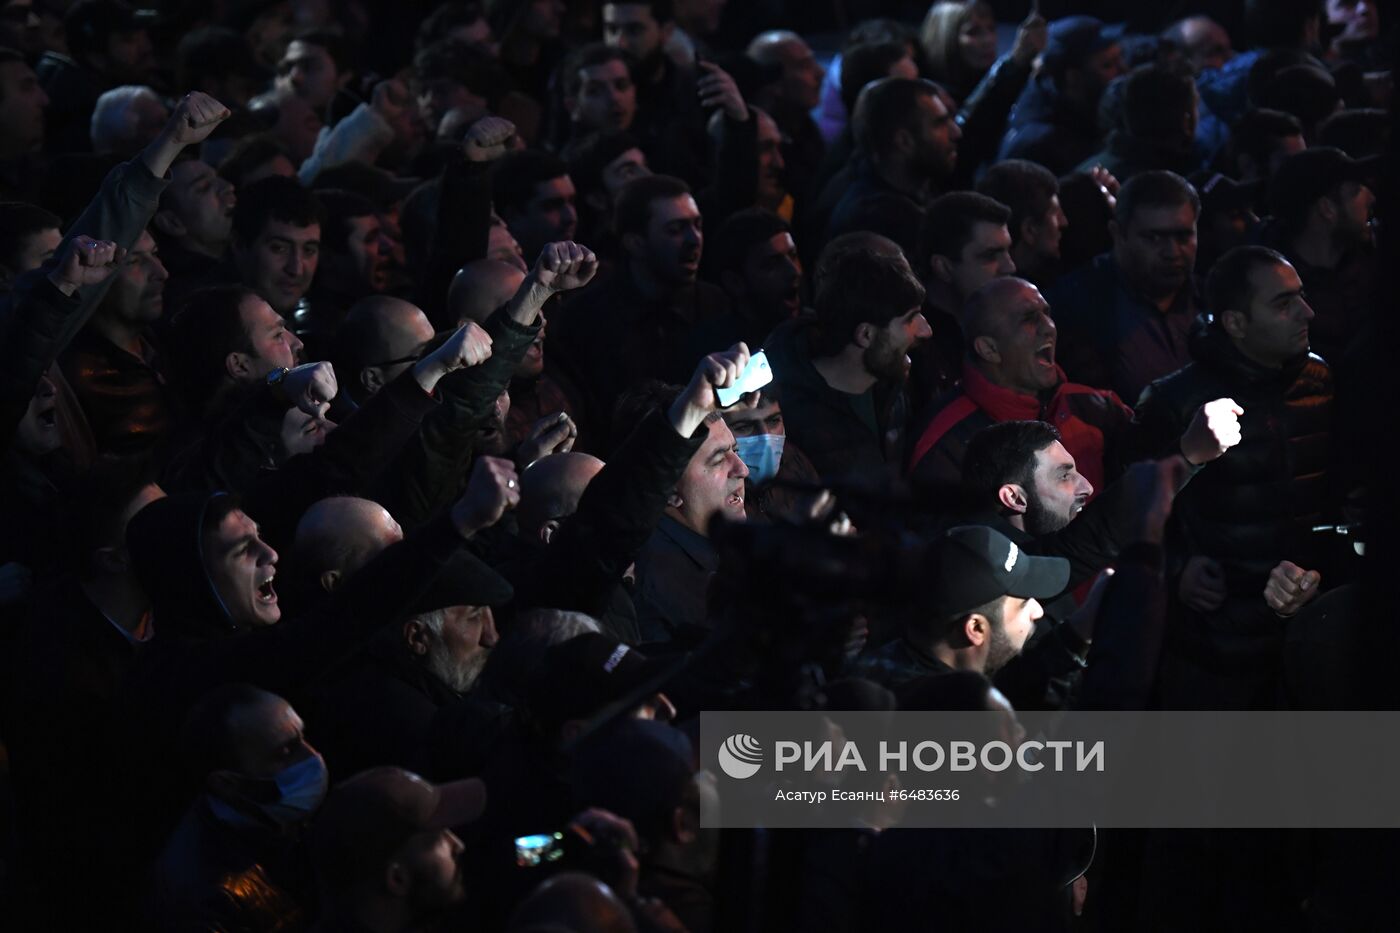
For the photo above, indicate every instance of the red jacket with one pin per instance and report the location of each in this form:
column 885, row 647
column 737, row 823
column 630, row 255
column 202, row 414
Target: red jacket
column 1088, row 420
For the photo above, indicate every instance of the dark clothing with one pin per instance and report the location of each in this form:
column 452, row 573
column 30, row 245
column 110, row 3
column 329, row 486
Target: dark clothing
column 461, row 231
column 983, row 117
column 781, row 500
column 936, row 363
column 30, row 327
column 673, row 574
column 612, row 337
column 124, row 397
column 216, row 877
column 377, row 710
column 73, row 91
column 1047, row 128
column 832, row 427
column 1090, row 421
column 1342, row 299
column 671, row 126
column 1113, row 338
column 582, row 567
column 1256, row 504
column 872, row 203
column 1126, row 156
column 531, row 400
column 190, row 271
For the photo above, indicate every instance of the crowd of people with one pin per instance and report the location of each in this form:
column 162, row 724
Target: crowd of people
column 375, row 529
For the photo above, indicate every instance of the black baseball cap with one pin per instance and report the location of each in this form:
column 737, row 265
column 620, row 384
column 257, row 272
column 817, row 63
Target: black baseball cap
column 1222, row 193
column 464, row 581
column 1305, row 176
column 588, row 672
column 974, row 564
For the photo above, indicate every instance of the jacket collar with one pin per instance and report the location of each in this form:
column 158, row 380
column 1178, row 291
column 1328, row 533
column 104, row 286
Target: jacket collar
column 1003, row 404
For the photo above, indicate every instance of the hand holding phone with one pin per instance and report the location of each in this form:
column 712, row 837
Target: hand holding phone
column 755, row 376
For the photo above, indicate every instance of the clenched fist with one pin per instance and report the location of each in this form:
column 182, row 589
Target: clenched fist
column 1214, row 430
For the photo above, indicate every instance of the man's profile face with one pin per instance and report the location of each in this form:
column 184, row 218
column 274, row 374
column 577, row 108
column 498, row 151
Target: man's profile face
column 270, row 738
column 802, row 74
column 1157, row 248
column 22, row 103
column 1356, row 205
column 986, row 256
column 369, row 249
column 137, row 293
column 607, row 98
column 1045, row 234
column 274, row 347
column 502, row 246
column 936, row 138
column 131, row 57
column 433, row 863
column 772, row 187
column 203, row 202
column 773, row 276
column 1025, row 342
column 1105, row 66
column 36, row 250
column 460, row 651
column 241, row 566
column 675, row 238
column 713, row 481
column 308, row 71
column 281, row 262
column 632, row 28
column 1276, row 328
column 1058, row 492
column 887, row 356
column 1009, row 632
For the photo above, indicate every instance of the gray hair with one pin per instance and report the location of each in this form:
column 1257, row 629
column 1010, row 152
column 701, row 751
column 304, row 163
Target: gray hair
column 114, row 120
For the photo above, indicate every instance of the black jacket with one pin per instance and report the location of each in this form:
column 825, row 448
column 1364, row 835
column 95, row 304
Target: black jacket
column 1255, row 505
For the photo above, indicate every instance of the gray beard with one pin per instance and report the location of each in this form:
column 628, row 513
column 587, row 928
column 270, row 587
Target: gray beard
column 459, row 677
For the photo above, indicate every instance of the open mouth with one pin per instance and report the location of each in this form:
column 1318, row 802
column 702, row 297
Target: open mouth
column 736, row 499
column 48, row 418
column 266, row 594
column 1046, row 354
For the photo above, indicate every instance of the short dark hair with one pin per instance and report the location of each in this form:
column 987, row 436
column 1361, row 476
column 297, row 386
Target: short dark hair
column 249, row 153
column 211, row 50
column 738, row 235
column 861, row 277
column 591, row 156
column 1254, row 134
column 1025, row 187
column 515, row 177
column 868, row 62
column 1359, row 131
column 88, row 25
column 467, row 64
column 1273, row 24
column 1003, row 453
column 890, row 106
column 632, row 213
column 206, row 329
column 274, row 198
column 341, row 207
column 663, row 11
column 445, row 18
column 1154, row 189
column 588, row 56
column 1227, row 285
column 208, row 732
column 1155, row 98
column 19, row 220
column 329, row 39
column 950, row 218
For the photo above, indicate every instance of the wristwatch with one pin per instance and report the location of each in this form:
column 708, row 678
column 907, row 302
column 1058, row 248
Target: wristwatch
column 274, row 378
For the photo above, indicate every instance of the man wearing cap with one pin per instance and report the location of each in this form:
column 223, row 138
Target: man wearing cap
column 1227, row 216
column 1055, row 122
column 385, row 851
column 983, row 600
column 1322, row 204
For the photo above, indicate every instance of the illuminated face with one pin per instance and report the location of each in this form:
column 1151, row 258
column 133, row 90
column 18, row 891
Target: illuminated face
column 274, row 347
column 1010, row 630
column 977, row 41
column 607, row 98
column 1025, row 338
column 241, row 567
column 309, row 72
column 137, row 292
column 986, row 256
column 1276, row 328
column 617, row 173
column 713, row 481
column 458, row 652
column 369, row 248
column 281, row 262
column 765, row 417
column 202, row 203
column 887, row 356
column 675, row 238
column 1058, row 491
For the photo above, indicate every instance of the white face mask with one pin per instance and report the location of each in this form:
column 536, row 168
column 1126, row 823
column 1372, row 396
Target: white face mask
column 762, row 454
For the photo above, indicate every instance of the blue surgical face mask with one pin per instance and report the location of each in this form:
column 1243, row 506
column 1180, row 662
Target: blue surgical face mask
column 300, row 790
column 761, row 453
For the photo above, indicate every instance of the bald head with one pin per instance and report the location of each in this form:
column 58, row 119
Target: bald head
column 479, row 288
column 338, row 536
column 1010, row 336
column 550, row 491
column 766, row 46
column 378, row 330
column 576, row 902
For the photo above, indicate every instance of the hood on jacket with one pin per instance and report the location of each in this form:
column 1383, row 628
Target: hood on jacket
column 166, row 543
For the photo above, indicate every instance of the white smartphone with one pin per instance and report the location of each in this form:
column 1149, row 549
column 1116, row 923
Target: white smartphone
column 755, row 376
